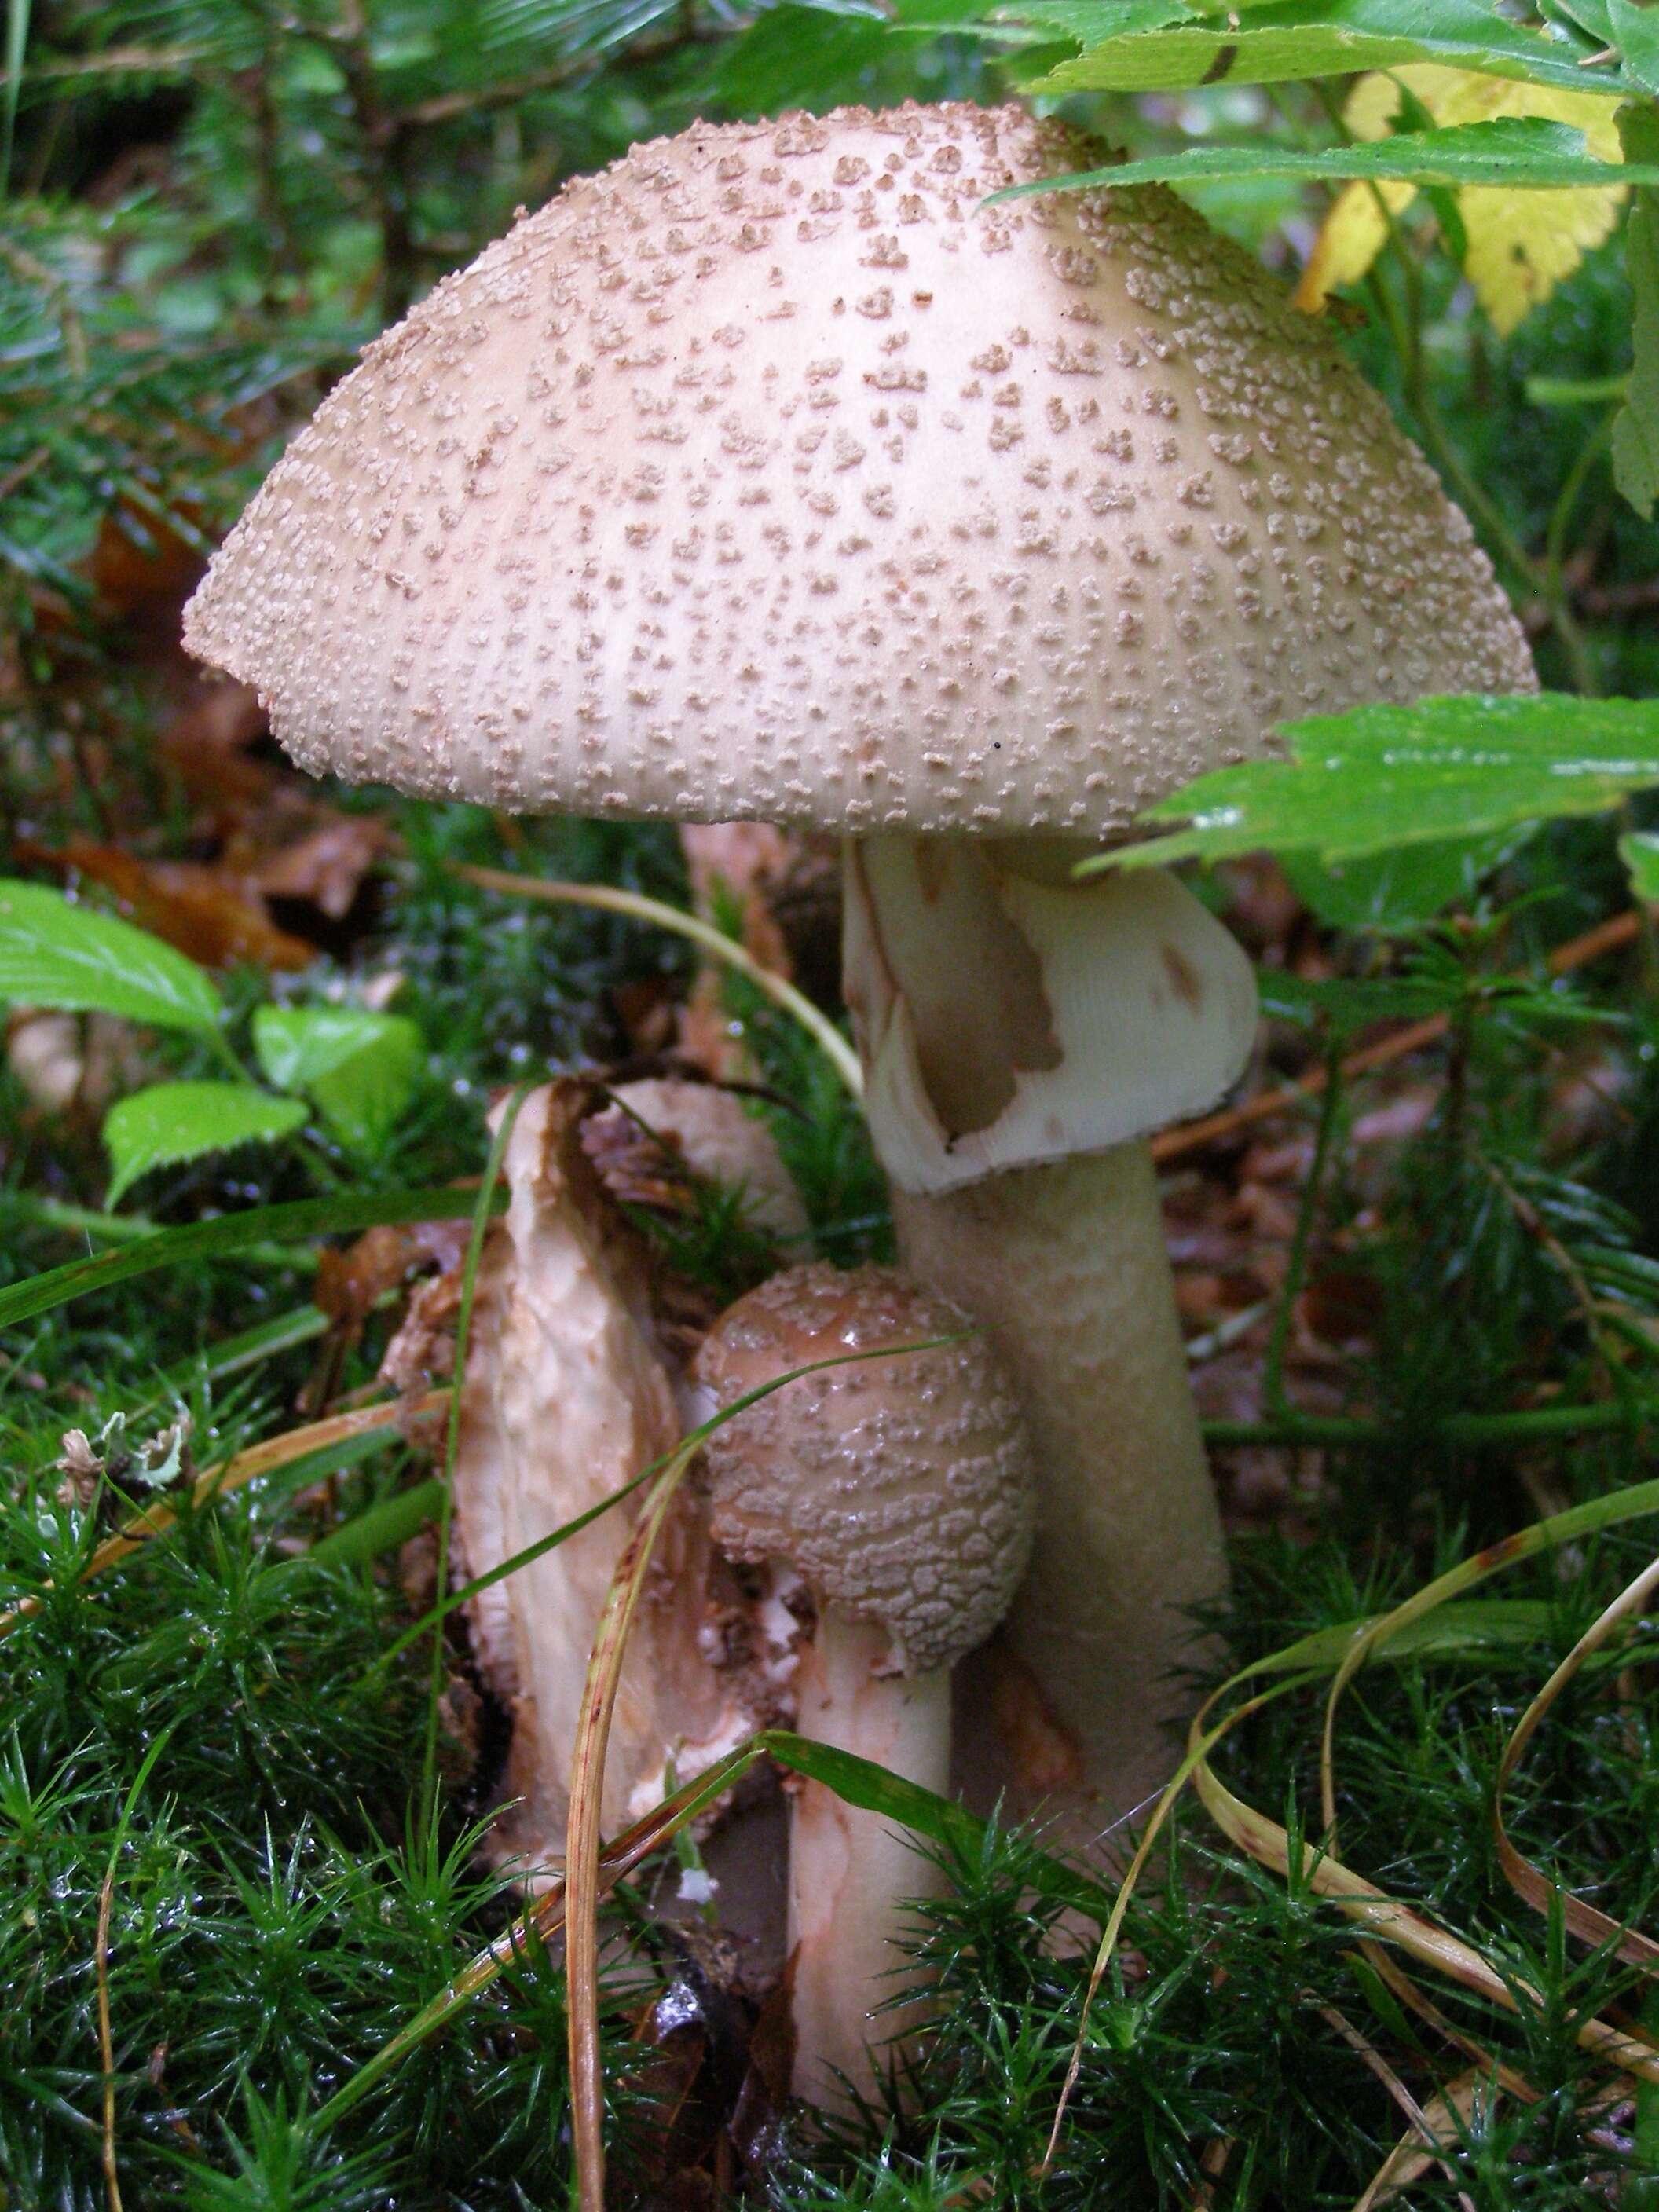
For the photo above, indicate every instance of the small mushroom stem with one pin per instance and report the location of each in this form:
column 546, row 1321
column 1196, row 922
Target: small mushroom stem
column 1065, row 1268
column 851, row 1871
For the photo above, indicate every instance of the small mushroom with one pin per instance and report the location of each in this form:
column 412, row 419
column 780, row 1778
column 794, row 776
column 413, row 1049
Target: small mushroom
column 897, row 1492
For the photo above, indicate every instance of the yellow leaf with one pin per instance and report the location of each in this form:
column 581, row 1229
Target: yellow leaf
column 1352, row 234
column 1520, row 244
column 1517, row 253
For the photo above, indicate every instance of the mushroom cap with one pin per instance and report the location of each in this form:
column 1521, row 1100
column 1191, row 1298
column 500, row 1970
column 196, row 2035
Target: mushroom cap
column 771, row 473
column 899, row 1489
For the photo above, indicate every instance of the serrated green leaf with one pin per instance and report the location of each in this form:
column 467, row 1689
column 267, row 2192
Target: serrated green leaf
column 1267, row 44
column 1397, row 889
column 174, row 1121
column 1381, row 777
column 358, row 1067
column 1519, row 152
column 1640, row 854
column 1589, row 16
column 55, row 953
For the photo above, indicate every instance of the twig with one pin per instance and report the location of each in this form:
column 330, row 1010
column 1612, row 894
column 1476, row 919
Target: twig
column 1608, row 936
column 117, row 61
column 25, row 469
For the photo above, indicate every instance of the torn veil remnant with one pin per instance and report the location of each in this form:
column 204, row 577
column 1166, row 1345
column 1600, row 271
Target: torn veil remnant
column 773, row 473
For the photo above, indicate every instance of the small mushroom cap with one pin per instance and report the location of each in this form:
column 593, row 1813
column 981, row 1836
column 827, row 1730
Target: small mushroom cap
column 772, row 473
column 899, row 1489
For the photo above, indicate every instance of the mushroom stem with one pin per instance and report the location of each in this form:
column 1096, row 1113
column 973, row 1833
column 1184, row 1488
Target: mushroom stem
column 1021, row 1032
column 1065, row 1268
column 849, row 1869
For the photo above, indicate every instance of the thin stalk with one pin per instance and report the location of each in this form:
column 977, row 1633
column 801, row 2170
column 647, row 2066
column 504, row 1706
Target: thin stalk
column 583, row 1842
column 132, row 1228
column 225, row 1053
column 480, row 1214
column 1471, row 1432
column 638, row 908
column 1272, row 1369
column 1561, row 514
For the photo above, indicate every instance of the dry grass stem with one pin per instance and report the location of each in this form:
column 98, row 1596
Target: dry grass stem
column 638, row 908
column 1585, row 1921
column 234, row 1474
column 1374, row 2062
column 105, row 2041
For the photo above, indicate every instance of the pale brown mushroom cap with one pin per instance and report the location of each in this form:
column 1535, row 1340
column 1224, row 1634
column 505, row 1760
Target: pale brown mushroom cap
column 899, row 1489
column 771, row 474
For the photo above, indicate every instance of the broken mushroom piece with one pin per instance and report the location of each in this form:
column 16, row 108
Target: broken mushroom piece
column 896, row 1494
column 667, row 1122
column 569, row 1395
column 777, row 473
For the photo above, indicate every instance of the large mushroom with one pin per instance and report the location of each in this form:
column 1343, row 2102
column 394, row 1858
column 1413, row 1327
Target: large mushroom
column 773, row 473
column 895, row 1494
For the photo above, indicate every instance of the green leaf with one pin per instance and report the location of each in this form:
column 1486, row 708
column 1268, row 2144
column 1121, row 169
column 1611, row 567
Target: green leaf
column 1266, row 44
column 1520, row 153
column 1590, row 17
column 173, row 1121
column 1640, row 854
column 1636, row 430
column 55, row 953
column 874, row 1789
column 1379, row 777
column 1400, row 888
column 358, row 1067
column 792, row 53
column 1635, row 31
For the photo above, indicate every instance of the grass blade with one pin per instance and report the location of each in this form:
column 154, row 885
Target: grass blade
column 1586, row 1921
column 332, row 1216
column 498, row 1144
